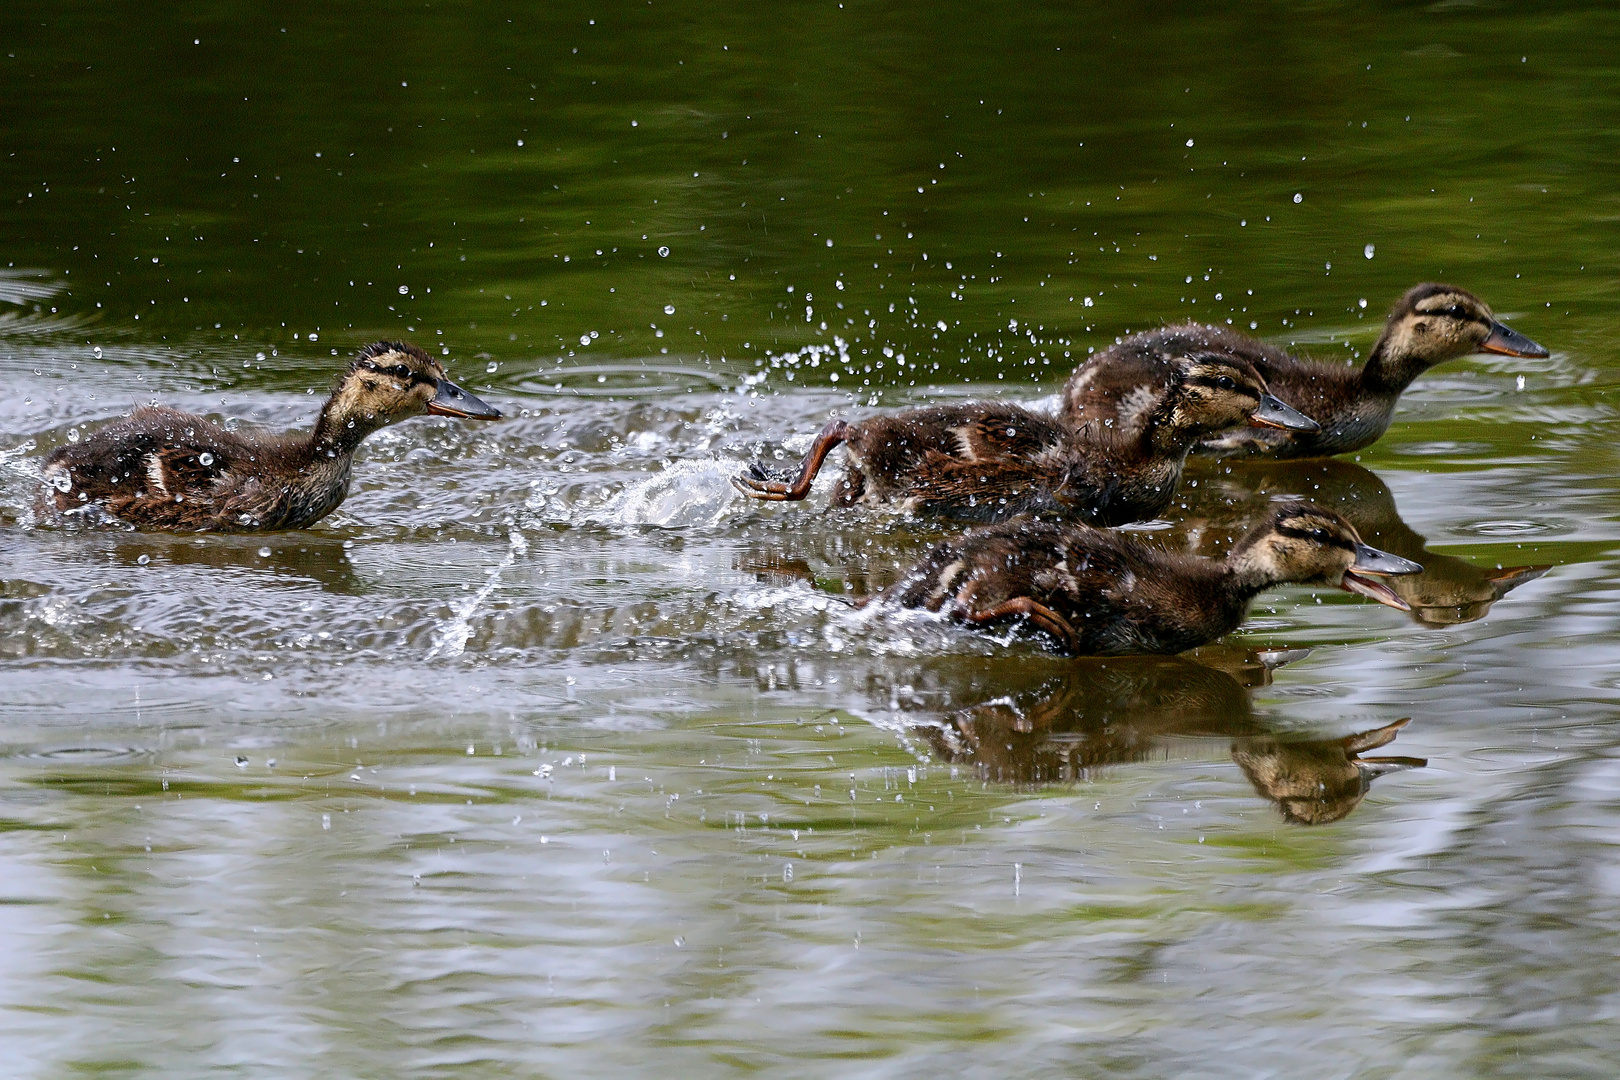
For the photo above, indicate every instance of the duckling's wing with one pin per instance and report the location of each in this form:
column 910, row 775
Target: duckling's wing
column 154, row 451
column 1008, row 434
column 943, row 483
column 185, row 468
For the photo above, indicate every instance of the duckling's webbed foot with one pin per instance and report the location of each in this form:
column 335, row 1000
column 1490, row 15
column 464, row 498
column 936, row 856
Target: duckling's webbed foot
column 1039, row 616
column 760, row 483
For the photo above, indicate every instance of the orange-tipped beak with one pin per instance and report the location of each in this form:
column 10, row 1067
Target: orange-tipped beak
column 452, row 400
column 1371, row 561
column 1373, row 589
column 1510, row 342
column 1275, row 413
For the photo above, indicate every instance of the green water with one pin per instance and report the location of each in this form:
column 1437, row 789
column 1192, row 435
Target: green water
column 548, row 755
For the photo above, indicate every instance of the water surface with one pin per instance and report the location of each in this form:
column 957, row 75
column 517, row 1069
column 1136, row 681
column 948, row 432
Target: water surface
column 548, row 754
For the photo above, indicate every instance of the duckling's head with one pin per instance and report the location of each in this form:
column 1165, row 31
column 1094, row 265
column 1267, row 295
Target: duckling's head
column 1213, row 391
column 390, row 381
column 1304, row 542
column 1433, row 323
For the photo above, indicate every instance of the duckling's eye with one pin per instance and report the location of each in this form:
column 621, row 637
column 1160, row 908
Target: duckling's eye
column 1320, row 536
column 400, row 371
column 1226, row 382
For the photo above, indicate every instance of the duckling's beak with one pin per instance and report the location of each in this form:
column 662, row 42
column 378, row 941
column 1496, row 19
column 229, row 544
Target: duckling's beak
column 1369, row 560
column 1510, row 342
column 1272, row 412
column 452, row 400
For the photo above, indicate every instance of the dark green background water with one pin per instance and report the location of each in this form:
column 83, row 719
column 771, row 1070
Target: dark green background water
column 548, row 755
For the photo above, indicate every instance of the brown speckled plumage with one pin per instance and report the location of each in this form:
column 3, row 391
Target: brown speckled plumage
column 1432, row 323
column 989, row 461
column 1098, row 593
column 163, row 469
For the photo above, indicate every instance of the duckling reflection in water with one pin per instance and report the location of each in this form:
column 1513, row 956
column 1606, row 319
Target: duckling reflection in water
column 1447, row 591
column 318, row 559
column 1429, row 325
column 989, row 461
column 1109, row 713
column 1097, row 593
column 164, row 469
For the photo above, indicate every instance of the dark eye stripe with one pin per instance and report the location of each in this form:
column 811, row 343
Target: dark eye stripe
column 1461, row 314
column 1213, row 383
column 1305, row 534
column 399, row 371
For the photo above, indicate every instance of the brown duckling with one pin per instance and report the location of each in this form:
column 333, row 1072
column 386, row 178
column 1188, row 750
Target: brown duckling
column 1431, row 324
column 163, row 469
column 1099, row 593
column 989, row 461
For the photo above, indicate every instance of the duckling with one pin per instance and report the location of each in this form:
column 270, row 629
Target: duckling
column 989, row 461
column 1098, row 593
column 163, row 469
column 1430, row 324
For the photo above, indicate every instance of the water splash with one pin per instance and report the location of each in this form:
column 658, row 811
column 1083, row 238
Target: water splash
column 686, row 494
column 453, row 637
column 23, row 287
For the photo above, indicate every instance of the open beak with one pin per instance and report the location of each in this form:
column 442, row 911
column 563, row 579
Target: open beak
column 452, row 400
column 1274, row 413
column 1371, row 564
column 1510, row 342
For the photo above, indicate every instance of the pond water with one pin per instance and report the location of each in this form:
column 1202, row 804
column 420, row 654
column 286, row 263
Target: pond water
column 549, row 754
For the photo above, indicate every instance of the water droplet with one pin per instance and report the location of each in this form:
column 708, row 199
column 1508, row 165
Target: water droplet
column 144, row 560
column 241, row 762
column 73, row 435
column 491, row 367
column 62, row 482
column 264, row 553
column 1362, row 302
column 787, row 873
column 1298, row 197
column 470, row 750
column 326, row 822
column 584, row 339
column 205, row 458
column 613, row 772
column 669, row 309
column 403, row 289
column 663, row 252
column 1369, row 251
column 1189, row 142
column 96, row 352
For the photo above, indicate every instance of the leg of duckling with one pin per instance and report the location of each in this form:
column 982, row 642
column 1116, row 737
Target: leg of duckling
column 1040, row 617
column 759, row 485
